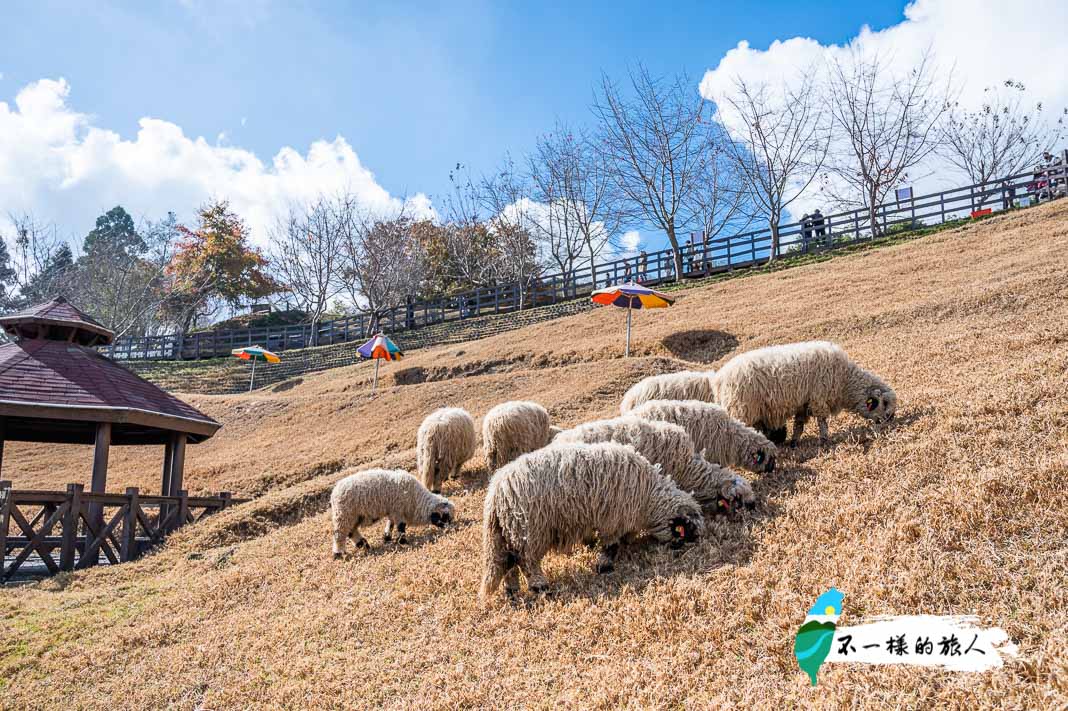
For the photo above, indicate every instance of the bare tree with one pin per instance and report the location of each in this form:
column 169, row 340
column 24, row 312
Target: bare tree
column 1002, row 137
column 887, row 124
column 40, row 267
column 781, row 143
column 655, row 145
column 572, row 179
column 382, row 262
column 723, row 201
column 505, row 196
column 307, row 249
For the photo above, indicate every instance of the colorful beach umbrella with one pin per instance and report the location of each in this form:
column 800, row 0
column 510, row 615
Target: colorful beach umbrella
column 255, row 353
column 631, row 296
column 380, row 348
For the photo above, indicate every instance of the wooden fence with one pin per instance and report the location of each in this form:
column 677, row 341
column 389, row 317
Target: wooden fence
column 704, row 258
column 82, row 526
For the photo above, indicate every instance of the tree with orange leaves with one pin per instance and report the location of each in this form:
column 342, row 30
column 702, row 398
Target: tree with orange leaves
column 214, row 263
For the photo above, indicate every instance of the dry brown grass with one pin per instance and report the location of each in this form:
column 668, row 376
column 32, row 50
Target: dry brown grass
column 961, row 508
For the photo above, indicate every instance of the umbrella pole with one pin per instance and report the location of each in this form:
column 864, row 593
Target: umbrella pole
column 627, row 353
column 253, row 378
column 374, row 385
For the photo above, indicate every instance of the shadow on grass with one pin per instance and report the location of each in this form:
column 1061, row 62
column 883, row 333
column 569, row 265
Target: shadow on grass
column 859, row 432
column 728, row 540
column 701, row 346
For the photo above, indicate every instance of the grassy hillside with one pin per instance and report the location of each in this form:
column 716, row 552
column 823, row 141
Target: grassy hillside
column 960, row 508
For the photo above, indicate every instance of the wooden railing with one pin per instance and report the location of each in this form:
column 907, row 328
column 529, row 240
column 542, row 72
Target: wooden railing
column 72, row 529
column 705, row 258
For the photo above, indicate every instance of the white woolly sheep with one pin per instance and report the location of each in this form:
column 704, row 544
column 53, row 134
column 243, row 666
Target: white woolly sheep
column 767, row 386
column 446, row 440
column 514, row 428
column 669, row 446
column 684, row 385
column 720, row 438
column 362, row 498
column 563, row 494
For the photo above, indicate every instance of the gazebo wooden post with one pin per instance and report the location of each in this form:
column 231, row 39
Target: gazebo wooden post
column 1, row 449
column 99, row 482
column 177, row 470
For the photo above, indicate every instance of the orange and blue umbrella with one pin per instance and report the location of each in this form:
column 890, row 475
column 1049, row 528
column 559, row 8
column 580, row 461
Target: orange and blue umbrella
column 631, row 296
column 255, row 353
column 380, row 348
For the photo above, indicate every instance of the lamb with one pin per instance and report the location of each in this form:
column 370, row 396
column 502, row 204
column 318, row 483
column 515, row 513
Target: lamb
column 720, row 438
column 362, row 498
column 669, row 446
column 446, row 440
column 767, row 386
column 514, row 428
column 563, row 494
column 684, row 385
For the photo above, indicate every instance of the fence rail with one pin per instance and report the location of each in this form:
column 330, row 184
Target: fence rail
column 705, row 258
column 83, row 526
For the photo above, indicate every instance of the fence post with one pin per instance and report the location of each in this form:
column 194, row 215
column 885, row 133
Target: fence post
column 183, row 509
column 5, row 518
column 70, row 527
column 129, row 526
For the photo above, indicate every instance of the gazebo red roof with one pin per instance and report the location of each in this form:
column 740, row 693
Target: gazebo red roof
column 57, row 315
column 55, row 390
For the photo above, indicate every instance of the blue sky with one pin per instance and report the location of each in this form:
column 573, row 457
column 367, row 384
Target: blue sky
column 163, row 105
column 413, row 87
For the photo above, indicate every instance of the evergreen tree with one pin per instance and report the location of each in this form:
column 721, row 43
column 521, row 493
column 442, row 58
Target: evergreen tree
column 114, row 232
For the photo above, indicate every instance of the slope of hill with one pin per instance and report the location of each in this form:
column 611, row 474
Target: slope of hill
column 960, row 508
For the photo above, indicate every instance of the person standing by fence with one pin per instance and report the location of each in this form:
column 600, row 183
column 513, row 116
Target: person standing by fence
column 643, row 265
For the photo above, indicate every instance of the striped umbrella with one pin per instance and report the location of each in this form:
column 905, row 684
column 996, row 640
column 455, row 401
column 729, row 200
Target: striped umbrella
column 380, row 348
column 255, row 353
column 631, row 296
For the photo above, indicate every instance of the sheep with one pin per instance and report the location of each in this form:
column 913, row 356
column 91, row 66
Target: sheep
column 446, row 440
column 563, row 494
column 365, row 497
column 684, row 385
column 514, row 428
column 767, row 386
column 669, row 446
column 720, row 438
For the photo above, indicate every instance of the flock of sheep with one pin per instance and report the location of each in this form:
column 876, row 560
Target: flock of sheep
column 655, row 470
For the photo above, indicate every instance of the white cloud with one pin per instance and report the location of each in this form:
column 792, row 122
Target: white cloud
column 56, row 163
column 629, row 243
column 983, row 42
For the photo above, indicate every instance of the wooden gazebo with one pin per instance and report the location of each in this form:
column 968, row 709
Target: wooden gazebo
column 56, row 388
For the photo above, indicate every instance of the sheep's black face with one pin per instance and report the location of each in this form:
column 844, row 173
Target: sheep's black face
column 763, row 460
column 879, row 406
column 441, row 517
column 685, row 529
column 734, row 495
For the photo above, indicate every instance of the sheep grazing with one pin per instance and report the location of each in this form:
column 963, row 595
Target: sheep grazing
column 720, row 438
column 669, row 446
column 685, row 385
column 563, row 494
column 767, row 386
column 446, row 440
column 514, row 428
column 362, row 498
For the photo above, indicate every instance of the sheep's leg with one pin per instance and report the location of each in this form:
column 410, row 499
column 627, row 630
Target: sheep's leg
column 800, row 420
column 339, row 540
column 825, row 435
column 511, row 583
column 402, row 539
column 606, row 563
column 356, row 536
column 387, row 535
column 536, row 580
